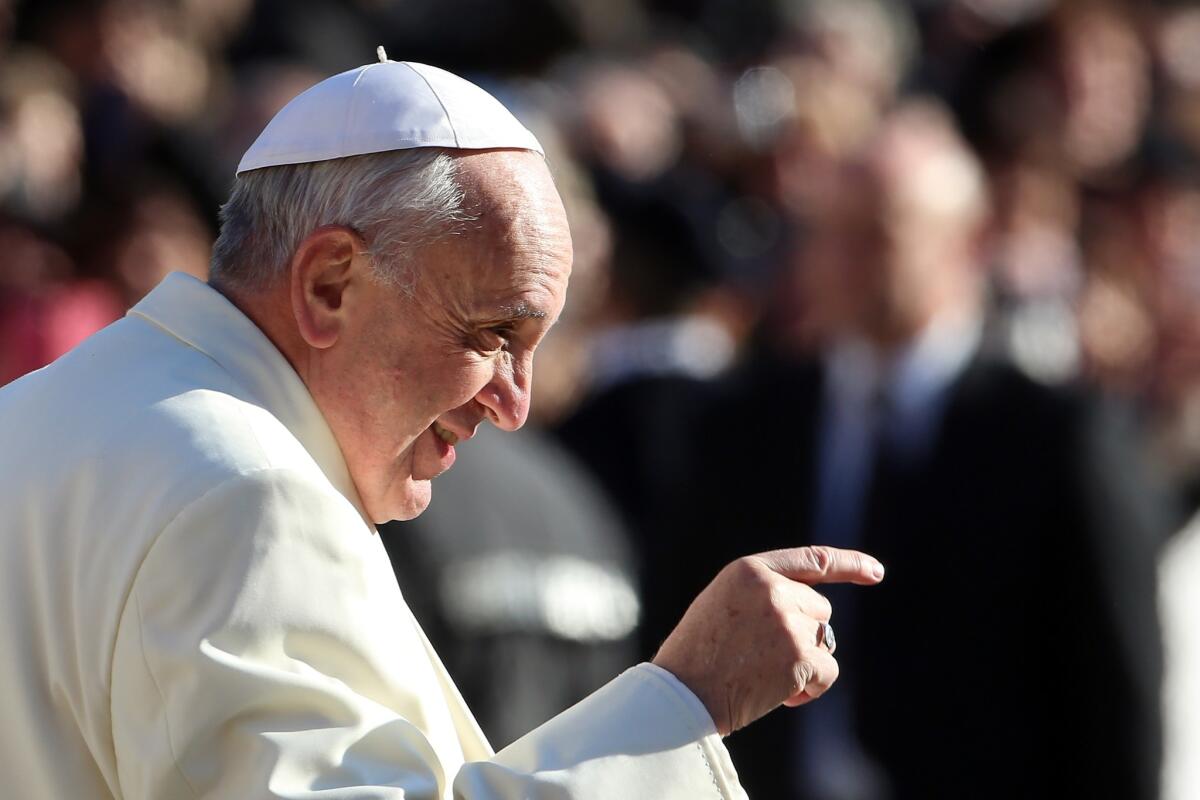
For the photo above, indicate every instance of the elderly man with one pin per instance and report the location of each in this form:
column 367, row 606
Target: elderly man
column 196, row 602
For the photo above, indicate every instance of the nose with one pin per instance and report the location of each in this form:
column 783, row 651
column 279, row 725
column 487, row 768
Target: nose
column 505, row 397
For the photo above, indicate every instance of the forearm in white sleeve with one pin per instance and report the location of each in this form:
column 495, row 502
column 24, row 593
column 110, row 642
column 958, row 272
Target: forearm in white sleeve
column 265, row 652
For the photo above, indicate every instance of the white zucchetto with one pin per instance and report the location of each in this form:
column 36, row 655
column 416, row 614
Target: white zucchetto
column 391, row 105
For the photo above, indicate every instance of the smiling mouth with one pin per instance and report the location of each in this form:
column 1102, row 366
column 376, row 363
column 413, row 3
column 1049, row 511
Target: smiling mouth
column 446, row 436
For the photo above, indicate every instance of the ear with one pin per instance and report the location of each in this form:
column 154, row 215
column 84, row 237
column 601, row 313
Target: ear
column 325, row 268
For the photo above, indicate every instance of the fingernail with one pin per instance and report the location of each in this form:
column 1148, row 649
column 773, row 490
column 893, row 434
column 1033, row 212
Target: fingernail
column 877, row 571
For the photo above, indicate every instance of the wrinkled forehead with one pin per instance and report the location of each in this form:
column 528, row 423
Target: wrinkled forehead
column 501, row 183
column 515, row 204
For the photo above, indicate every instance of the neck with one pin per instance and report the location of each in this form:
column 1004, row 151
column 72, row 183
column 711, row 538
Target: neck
column 890, row 333
column 270, row 311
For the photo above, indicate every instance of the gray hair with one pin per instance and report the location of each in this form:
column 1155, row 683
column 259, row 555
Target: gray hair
column 398, row 201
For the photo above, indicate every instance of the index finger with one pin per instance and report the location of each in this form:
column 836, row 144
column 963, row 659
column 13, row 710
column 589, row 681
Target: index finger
column 822, row 564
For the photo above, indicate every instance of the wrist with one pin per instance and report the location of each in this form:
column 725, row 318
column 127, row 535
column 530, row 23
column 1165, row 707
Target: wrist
column 679, row 669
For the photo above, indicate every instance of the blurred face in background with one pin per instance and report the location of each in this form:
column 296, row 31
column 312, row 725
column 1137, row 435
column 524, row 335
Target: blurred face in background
column 1105, row 75
column 630, row 122
column 894, row 243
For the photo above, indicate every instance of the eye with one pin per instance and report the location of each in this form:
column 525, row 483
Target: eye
column 495, row 339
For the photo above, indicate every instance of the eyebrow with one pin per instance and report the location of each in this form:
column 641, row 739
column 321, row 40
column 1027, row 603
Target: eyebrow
column 521, row 311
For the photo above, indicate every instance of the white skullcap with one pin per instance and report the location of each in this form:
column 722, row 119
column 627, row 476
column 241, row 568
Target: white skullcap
column 392, row 105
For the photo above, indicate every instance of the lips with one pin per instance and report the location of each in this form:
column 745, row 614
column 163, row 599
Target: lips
column 443, row 442
column 447, row 436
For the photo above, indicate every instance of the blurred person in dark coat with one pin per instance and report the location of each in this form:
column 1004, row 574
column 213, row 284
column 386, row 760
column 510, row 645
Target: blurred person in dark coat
column 650, row 366
column 1037, row 664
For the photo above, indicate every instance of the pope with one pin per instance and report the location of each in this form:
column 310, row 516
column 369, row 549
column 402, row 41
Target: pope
column 196, row 603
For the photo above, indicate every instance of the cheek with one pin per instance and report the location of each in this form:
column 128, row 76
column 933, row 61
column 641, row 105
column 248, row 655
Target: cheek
column 448, row 384
column 471, row 380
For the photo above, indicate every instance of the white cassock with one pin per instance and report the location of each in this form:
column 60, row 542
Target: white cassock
column 1179, row 609
column 195, row 606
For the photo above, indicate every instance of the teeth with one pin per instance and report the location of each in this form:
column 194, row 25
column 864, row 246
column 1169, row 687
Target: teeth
column 445, row 435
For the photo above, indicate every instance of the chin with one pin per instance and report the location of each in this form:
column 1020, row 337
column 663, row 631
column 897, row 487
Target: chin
column 408, row 503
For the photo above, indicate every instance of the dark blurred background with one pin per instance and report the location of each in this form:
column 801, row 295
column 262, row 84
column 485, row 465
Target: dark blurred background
column 920, row 277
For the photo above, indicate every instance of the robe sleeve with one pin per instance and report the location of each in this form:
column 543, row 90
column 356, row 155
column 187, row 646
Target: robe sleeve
column 265, row 652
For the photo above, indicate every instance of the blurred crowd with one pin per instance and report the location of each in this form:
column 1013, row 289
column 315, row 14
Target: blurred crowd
column 968, row 217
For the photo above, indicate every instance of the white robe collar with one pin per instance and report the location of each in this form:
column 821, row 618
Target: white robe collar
column 201, row 317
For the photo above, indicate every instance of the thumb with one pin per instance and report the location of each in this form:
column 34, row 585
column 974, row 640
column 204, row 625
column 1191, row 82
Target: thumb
column 821, row 564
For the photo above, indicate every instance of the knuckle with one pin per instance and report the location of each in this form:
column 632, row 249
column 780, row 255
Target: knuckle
column 777, row 608
column 802, row 675
column 819, row 557
column 799, row 649
column 777, row 594
column 824, row 677
column 822, row 606
column 756, row 578
column 830, row 670
column 813, row 603
column 747, row 569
